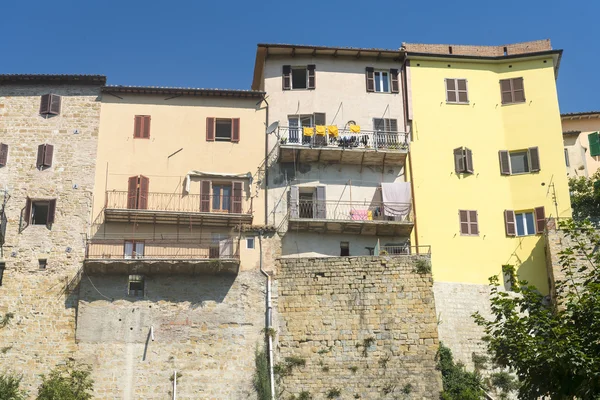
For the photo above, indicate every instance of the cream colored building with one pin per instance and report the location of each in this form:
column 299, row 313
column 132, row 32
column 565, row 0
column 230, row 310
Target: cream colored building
column 582, row 142
column 337, row 143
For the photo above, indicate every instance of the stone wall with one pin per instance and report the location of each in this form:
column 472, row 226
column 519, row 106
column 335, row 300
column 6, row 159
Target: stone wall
column 42, row 331
column 487, row 51
column 363, row 325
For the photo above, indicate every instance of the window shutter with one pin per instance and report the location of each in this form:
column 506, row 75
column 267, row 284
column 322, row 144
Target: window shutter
column 237, row 198
column 451, row 90
column 319, row 118
column 518, row 90
column 45, row 104
column 534, row 159
column 137, row 126
column 370, row 74
column 204, row 196
column 3, row 154
column 51, row 211
column 210, row 129
column 145, row 127
column 311, row 76
column 594, row 140
column 506, row 91
column 464, row 222
column 459, row 161
column 54, row 104
column 540, row 219
column 395, row 81
column 510, row 223
column 40, row 156
column 504, row 162
column 132, row 196
column 461, row 89
column 473, row 223
column 468, row 161
column 287, row 77
column 27, row 216
column 321, row 203
column 235, row 130
column 48, row 153
column 143, row 197
column 294, row 201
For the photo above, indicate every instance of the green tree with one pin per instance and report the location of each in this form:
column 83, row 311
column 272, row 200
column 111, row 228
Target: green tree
column 67, row 382
column 9, row 387
column 585, row 196
column 459, row 384
column 554, row 348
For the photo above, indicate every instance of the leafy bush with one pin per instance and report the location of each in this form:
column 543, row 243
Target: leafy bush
column 459, row 384
column 9, row 387
column 67, row 382
column 261, row 380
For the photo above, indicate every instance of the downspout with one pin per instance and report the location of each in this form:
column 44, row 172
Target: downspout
column 268, row 317
column 266, row 182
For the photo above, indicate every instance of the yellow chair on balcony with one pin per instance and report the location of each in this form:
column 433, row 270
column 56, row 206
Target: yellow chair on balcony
column 308, row 131
column 320, row 129
column 333, row 130
column 355, row 128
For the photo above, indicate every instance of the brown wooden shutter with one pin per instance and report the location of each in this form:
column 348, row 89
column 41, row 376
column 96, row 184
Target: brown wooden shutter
column 319, row 118
column 461, row 90
column 48, row 154
column 235, row 130
column 370, row 75
column 311, row 76
column 143, row 194
column 287, row 77
column 534, row 159
column 463, row 216
column 51, row 212
column 237, row 198
column 473, row 223
column 145, row 127
column 321, row 203
column 504, row 162
column 132, row 193
column 510, row 223
column 294, row 205
column 459, row 161
column 137, row 126
column 210, row 129
column 518, row 91
column 54, row 104
column 395, row 80
column 40, row 156
column 506, row 91
column 204, row 196
column 468, row 161
column 45, row 104
column 3, row 154
column 27, row 216
column 451, row 90
column 540, row 219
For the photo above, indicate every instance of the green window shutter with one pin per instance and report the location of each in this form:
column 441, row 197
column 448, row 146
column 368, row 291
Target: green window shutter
column 594, row 140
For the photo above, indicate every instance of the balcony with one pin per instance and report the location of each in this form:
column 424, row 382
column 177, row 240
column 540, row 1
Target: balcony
column 170, row 208
column 356, row 148
column 358, row 217
column 162, row 255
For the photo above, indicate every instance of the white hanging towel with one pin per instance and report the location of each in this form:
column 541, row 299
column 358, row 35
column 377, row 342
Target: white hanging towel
column 396, row 199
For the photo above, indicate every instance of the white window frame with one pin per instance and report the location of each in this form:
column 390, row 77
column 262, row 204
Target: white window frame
column 381, row 80
column 297, row 67
column 523, row 217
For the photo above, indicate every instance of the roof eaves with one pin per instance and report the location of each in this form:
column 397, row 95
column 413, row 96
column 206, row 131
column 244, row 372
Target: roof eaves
column 184, row 91
column 65, row 78
column 490, row 58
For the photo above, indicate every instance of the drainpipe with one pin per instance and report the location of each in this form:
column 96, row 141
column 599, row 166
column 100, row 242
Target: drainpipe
column 175, row 385
column 269, row 317
column 266, row 162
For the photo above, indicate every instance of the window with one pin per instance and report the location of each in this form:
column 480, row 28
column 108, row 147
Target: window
column 594, row 140
column 141, row 129
column 385, row 124
column 223, row 129
column 137, row 193
column 297, row 122
column 382, row 81
column 133, row 249
column 525, row 223
column 40, row 212
column 50, row 104
column 221, row 246
column 456, row 91
column 42, row 263
column 3, row 154
column 512, row 91
column 463, row 160
column 221, row 197
column 468, row 223
column 567, row 163
column 250, row 243
column 344, row 249
column 298, row 77
column 136, row 285
column 44, row 156
column 2, row 268
column 221, row 201
column 520, row 161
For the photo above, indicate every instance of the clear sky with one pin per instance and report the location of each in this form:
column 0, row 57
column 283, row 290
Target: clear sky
column 195, row 43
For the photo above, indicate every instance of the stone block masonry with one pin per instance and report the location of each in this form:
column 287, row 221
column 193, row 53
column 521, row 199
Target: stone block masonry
column 365, row 326
column 482, row 51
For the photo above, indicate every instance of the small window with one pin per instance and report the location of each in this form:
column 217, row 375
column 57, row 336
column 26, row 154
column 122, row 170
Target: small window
column 382, row 81
column 456, row 91
column 50, row 104
column 44, row 156
column 463, row 160
column 133, row 249
column 512, row 91
column 469, row 225
column 43, row 263
column 299, row 78
column 40, row 212
column 2, row 268
column 568, row 164
column 223, row 129
column 250, row 243
column 525, row 224
column 344, row 249
column 3, row 154
column 519, row 162
column 136, row 285
column 221, row 199
column 385, row 124
column 141, row 128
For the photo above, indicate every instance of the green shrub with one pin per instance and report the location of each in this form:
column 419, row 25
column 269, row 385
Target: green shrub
column 67, row 382
column 261, row 380
column 459, row 384
column 9, row 387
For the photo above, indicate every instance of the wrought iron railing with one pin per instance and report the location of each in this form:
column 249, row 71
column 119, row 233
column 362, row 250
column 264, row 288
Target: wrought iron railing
column 345, row 138
column 406, row 249
column 217, row 204
column 351, row 210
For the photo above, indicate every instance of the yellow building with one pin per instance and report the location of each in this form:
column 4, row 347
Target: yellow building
column 487, row 157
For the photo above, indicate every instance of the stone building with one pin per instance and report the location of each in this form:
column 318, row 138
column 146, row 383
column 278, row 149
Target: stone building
column 49, row 134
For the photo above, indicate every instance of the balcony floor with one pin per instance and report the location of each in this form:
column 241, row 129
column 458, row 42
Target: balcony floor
column 340, row 155
column 154, row 266
column 371, row 228
column 176, row 217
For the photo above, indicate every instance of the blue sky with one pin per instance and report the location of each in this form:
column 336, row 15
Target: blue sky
column 212, row 44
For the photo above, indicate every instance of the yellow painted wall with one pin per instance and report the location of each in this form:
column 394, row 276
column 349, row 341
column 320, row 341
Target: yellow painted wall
column 485, row 126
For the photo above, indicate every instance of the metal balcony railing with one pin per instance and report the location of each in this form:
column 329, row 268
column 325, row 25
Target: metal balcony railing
column 346, row 139
column 217, row 204
column 334, row 210
column 406, row 249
